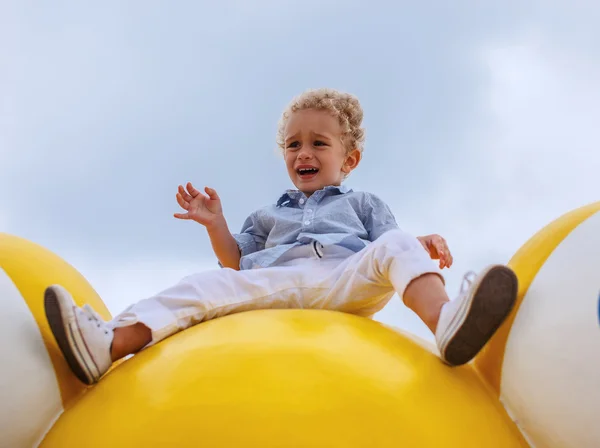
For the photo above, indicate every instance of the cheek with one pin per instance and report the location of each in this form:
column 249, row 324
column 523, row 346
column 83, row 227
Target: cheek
column 289, row 161
column 333, row 163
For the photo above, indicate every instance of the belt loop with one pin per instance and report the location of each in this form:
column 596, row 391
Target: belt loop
column 317, row 250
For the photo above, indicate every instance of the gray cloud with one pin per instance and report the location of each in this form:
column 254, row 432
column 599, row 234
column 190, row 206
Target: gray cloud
column 480, row 120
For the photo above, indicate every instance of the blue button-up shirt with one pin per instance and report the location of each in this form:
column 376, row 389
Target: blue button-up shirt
column 333, row 216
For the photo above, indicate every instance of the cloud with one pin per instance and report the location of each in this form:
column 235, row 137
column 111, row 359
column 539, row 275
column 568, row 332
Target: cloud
column 538, row 155
column 4, row 221
column 531, row 158
column 480, row 123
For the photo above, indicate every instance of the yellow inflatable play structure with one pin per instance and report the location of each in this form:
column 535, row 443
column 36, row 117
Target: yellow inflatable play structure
column 313, row 378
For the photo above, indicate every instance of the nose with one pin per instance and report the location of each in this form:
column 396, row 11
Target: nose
column 304, row 154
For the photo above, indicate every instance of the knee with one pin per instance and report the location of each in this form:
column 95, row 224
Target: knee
column 398, row 239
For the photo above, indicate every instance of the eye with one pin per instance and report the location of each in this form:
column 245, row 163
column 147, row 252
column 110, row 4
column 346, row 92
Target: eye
column 293, row 145
column 320, row 143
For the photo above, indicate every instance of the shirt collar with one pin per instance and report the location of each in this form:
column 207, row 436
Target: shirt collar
column 293, row 196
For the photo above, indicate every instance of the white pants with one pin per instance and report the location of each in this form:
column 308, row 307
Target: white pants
column 360, row 284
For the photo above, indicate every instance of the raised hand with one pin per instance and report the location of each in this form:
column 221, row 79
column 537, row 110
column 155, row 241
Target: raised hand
column 438, row 249
column 204, row 209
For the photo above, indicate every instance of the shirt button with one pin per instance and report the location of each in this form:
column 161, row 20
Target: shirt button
column 306, row 223
column 301, row 201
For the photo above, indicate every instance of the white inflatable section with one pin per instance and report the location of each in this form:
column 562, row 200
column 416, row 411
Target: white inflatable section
column 551, row 370
column 29, row 391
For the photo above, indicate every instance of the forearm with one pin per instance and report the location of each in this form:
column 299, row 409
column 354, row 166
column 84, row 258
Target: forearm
column 224, row 245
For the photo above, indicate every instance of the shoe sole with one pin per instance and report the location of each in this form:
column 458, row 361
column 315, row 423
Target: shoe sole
column 64, row 335
column 491, row 302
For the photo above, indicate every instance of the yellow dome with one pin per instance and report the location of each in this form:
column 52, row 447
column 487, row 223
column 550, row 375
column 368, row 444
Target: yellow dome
column 35, row 381
column 277, row 378
column 544, row 362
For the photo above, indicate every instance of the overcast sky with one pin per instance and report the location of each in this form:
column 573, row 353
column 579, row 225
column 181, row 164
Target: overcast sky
column 482, row 122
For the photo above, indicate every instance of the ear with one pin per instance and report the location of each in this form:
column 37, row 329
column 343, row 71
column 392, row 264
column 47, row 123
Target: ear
column 352, row 161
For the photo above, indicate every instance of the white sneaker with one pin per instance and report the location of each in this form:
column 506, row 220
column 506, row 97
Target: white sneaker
column 82, row 335
column 467, row 323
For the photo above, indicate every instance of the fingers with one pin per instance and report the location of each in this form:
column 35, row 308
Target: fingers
column 212, row 194
column 438, row 249
column 181, row 215
column 190, row 199
column 441, row 247
column 184, row 194
column 185, row 205
column 182, row 201
column 192, row 190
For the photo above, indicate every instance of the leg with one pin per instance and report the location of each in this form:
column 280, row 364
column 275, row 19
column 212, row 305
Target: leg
column 212, row 294
column 129, row 339
column 426, row 295
column 467, row 323
column 90, row 345
column 395, row 262
column 462, row 326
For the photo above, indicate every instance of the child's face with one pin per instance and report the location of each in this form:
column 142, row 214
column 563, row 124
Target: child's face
column 315, row 156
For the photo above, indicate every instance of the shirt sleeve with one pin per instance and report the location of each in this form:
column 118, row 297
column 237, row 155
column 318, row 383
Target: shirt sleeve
column 378, row 217
column 252, row 237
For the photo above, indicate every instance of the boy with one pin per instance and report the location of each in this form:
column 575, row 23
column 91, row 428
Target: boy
column 320, row 246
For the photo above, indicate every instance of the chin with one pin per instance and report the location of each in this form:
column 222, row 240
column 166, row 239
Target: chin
column 309, row 187
column 312, row 186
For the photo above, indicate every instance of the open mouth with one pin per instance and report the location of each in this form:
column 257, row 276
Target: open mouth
column 307, row 172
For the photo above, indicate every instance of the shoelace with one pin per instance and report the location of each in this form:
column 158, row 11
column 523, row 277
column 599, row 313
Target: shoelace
column 467, row 281
column 89, row 313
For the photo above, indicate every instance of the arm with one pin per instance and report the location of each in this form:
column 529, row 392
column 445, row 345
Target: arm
column 207, row 210
column 224, row 245
column 229, row 248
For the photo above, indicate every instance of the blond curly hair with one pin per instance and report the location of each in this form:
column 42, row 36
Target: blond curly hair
column 344, row 106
